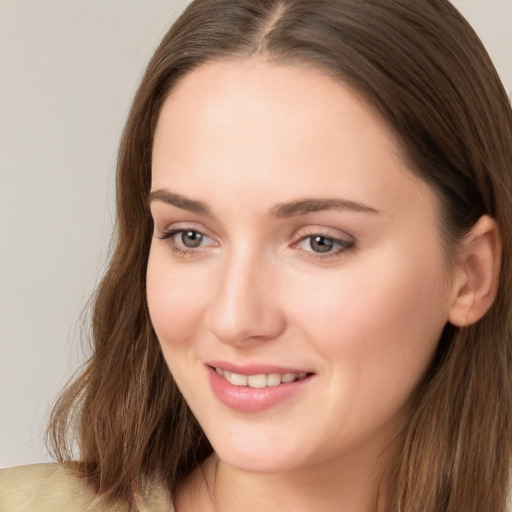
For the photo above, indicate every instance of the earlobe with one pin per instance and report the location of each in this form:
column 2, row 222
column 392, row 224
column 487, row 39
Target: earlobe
column 477, row 274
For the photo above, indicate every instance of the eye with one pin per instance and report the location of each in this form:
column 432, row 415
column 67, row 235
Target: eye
column 185, row 241
column 323, row 245
column 190, row 238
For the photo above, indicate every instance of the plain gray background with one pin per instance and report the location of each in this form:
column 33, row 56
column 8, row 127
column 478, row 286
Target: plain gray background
column 68, row 71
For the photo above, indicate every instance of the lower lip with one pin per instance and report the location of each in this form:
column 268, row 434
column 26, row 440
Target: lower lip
column 247, row 399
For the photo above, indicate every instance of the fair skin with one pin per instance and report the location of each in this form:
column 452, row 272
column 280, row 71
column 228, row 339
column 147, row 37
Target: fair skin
column 349, row 292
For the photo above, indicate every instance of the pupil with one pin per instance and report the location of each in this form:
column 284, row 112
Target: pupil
column 191, row 238
column 321, row 244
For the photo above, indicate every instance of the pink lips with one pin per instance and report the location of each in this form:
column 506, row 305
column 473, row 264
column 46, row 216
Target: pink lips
column 247, row 399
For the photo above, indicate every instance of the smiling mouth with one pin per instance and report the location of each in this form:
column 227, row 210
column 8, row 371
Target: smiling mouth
column 261, row 380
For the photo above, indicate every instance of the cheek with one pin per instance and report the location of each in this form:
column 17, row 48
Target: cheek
column 174, row 300
column 371, row 304
column 377, row 328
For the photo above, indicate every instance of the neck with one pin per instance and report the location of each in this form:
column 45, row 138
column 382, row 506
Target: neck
column 309, row 489
column 354, row 483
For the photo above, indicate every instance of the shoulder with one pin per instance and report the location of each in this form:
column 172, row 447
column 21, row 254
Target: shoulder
column 46, row 488
column 56, row 488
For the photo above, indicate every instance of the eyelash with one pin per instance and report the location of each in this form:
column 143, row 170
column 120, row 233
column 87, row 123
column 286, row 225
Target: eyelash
column 343, row 245
column 167, row 237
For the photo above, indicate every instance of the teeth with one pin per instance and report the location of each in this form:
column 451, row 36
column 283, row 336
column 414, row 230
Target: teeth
column 257, row 381
column 238, row 380
column 261, row 380
column 273, row 379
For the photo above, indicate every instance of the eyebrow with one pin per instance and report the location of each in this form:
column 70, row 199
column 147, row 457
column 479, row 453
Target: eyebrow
column 180, row 202
column 305, row 206
column 280, row 211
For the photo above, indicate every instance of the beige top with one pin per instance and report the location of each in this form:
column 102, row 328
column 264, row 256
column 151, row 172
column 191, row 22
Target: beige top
column 54, row 488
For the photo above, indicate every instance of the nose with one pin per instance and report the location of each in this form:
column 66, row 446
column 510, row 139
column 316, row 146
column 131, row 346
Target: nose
column 245, row 308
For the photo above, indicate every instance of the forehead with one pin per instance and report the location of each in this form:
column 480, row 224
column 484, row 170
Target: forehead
column 255, row 125
column 257, row 90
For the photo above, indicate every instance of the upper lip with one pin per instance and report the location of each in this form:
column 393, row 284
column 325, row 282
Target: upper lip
column 255, row 368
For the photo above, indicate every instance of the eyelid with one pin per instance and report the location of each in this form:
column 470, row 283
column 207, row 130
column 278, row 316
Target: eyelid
column 345, row 241
column 166, row 227
column 169, row 233
column 168, row 236
column 335, row 234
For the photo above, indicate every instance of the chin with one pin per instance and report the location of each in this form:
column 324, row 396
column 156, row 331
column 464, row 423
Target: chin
column 257, row 462
column 245, row 453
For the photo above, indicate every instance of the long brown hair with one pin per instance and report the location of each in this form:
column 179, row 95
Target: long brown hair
column 422, row 66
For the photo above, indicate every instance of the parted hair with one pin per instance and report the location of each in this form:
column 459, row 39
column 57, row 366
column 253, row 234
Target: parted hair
column 419, row 63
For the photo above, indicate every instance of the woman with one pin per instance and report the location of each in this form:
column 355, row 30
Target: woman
column 309, row 300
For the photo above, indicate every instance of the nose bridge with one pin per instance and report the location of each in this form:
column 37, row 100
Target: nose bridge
column 244, row 306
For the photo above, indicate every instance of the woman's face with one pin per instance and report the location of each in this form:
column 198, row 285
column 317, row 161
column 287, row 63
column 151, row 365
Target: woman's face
column 296, row 280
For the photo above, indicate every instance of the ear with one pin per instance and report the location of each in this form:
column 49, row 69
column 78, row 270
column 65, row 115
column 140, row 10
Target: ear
column 477, row 273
